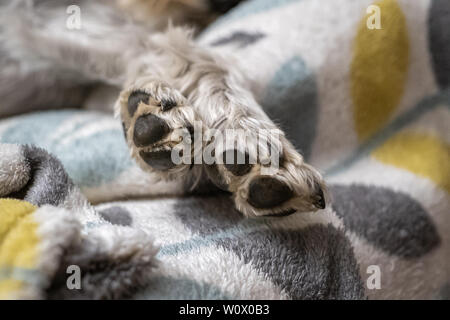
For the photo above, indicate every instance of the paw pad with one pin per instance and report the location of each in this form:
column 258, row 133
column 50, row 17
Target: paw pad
column 159, row 160
column 236, row 168
column 319, row 198
column 124, row 128
column 167, row 104
column 266, row 192
column 134, row 99
column 149, row 129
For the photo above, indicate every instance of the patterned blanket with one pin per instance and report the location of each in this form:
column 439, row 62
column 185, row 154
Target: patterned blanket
column 366, row 101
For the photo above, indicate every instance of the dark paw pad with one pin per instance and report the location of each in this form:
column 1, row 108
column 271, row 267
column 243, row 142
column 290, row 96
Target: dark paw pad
column 149, row 129
column 125, row 129
column 222, row 6
column 319, row 198
column 236, row 162
column 134, row 99
column 282, row 214
column 267, row 192
column 159, row 160
column 166, row 105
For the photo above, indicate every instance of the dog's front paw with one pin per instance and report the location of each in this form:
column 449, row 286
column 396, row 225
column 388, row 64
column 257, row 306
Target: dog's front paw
column 262, row 188
column 156, row 118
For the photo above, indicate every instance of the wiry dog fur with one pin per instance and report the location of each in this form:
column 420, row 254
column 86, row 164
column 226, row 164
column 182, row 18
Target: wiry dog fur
column 44, row 64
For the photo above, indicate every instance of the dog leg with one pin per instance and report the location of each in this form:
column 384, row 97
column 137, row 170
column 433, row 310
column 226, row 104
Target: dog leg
column 216, row 94
column 170, row 82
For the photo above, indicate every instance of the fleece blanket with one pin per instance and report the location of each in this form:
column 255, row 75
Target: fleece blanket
column 366, row 101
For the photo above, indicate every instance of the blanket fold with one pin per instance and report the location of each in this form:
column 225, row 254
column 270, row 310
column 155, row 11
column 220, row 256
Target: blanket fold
column 48, row 229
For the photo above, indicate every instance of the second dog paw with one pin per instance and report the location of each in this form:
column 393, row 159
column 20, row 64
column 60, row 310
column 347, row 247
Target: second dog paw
column 259, row 191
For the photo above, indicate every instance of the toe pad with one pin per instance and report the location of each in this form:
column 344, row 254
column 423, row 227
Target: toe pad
column 149, row 129
column 266, row 192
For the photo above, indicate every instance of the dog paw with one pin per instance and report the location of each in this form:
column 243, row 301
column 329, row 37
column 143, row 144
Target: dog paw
column 260, row 189
column 156, row 119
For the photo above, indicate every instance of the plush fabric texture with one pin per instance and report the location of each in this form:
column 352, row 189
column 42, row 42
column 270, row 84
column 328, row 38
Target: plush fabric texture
column 369, row 107
column 48, row 226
